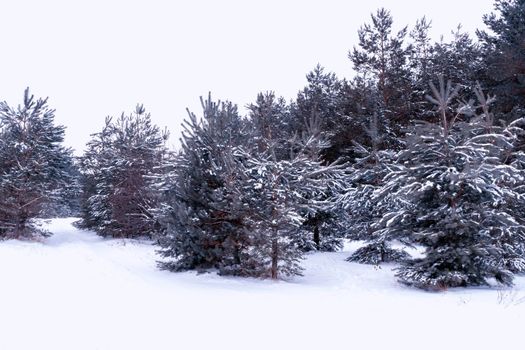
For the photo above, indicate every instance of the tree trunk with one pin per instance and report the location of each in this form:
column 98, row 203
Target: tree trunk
column 275, row 257
column 317, row 238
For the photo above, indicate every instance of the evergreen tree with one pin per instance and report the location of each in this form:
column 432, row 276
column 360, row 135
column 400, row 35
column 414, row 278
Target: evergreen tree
column 366, row 202
column 313, row 112
column 460, row 60
column 515, row 157
column 273, row 220
column 281, row 195
column 382, row 57
column 358, row 108
column 322, row 225
column 202, row 210
column 68, row 202
column 421, row 52
column 118, row 168
column 504, row 56
column 421, row 66
column 270, row 125
column 451, row 198
column 33, row 165
column 320, row 100
column 238, row 206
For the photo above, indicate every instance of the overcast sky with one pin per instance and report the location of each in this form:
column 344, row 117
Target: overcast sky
column 101, row 57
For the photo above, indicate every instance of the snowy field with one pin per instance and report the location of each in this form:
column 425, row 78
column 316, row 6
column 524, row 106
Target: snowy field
column 76, row 290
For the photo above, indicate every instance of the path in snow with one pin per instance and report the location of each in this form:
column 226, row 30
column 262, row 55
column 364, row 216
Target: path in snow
column 76, row 290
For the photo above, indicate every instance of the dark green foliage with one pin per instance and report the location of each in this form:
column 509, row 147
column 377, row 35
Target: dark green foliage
column 117, row 170
column 270, row 125
column 68, row 202
column 33, row 165
column 378, row 252
column 460, row 60
column 451, row 198
column 323, row 230
column 504, row 56
column 454, row 191
column 273, row 218
column 239, row 206
column 321, row 133
column 202, row 212
column 383, row 58
column 320, row 101
column 365, row 203
column 279, row 196
column 313, row 122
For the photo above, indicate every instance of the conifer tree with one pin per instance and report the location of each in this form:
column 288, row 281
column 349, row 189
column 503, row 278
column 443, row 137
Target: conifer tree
column 279, row 196
column 118, row 169
column 202, row 209
column 68, row 201
column 421, row 52
column 451, row 198
column 365, row 202
column 236, row 205
column 383, row 57
column 504, row 56
column 270, row 124
column 420, row 65
column 358, row 108
column 322, row 223
column 32, row 165
column 460, row 60
column 315, row 106
column 273, row 220
column 321, row 101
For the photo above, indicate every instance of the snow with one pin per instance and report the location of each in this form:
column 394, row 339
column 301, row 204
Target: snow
column 76, row 290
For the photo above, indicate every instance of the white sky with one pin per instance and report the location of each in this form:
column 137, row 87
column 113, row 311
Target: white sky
column 101, row 57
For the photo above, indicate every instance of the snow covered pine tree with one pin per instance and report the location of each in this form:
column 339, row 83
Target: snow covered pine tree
column 451, row 198
column 365, row 202
column 33, row 165
column 234, row 205
column 278, row 194
column 282, row 191
column 504, row 57
column 269, row 126
column 383, row 58
column 202, row 212
column 118, row 171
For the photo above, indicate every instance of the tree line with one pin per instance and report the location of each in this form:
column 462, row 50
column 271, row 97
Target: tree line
column 422, row 148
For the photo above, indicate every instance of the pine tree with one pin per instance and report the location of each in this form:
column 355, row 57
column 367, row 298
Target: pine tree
column 320, row 100
column 365, row 202
column 358, row 108
column 504, row 56
column 322, row 224
column 202, row 210
column 382, row 57
column 236, row 205
column 273, row 220
column 33, row 165
column 421, row 54
column 271, row 125
column 68, row 201
column 280, row 195
column 459, row 60
column 424, row 57
column 515, row 157
column 118, row 169
column 451, row 198
column 313, row 112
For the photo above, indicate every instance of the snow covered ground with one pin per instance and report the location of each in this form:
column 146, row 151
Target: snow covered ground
column 76, row 290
